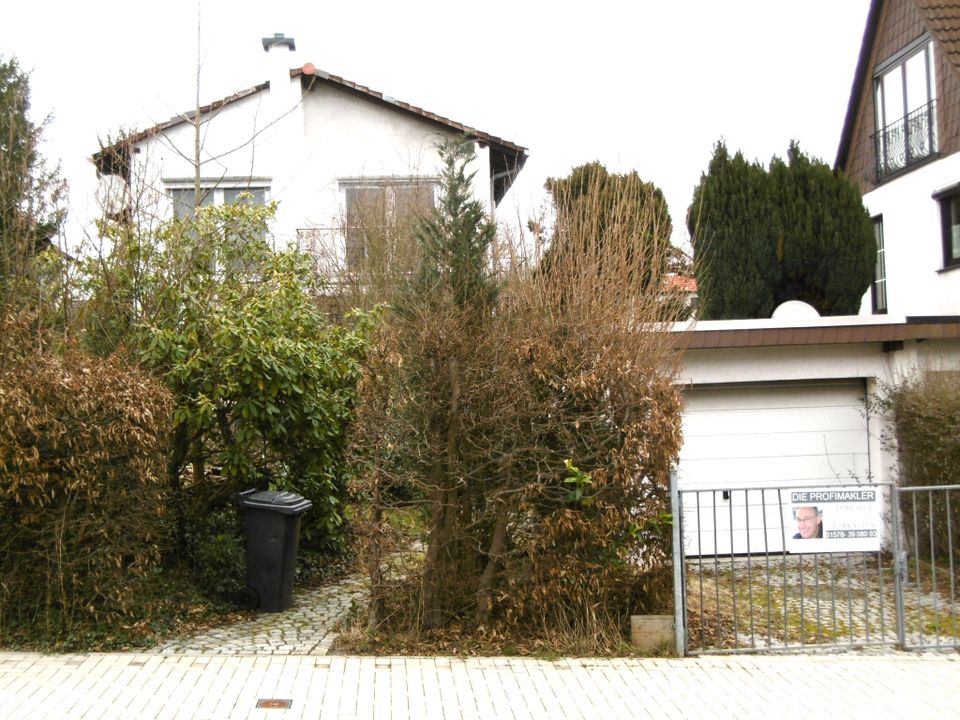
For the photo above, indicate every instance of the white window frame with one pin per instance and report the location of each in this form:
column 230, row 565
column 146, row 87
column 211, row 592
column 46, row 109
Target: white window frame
column 905, row 94
column 879, row 289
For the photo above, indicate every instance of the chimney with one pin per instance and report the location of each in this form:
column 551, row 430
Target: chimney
column 284, row 93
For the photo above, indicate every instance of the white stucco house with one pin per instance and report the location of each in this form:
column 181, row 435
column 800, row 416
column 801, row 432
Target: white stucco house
column 784, row 402
column 313, row 141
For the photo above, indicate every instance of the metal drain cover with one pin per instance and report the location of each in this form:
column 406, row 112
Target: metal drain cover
column 274, row 703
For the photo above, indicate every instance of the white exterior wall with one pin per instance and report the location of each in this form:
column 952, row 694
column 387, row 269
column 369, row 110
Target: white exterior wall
column 788, row 363
column 916, row 282
column 348, row 137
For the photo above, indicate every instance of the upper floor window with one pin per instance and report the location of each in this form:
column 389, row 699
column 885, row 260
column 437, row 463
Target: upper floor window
column 905, row 97
column 380, row 215
column 880, row 270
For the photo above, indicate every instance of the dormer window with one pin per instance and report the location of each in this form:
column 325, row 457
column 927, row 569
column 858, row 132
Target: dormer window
column 905, row 96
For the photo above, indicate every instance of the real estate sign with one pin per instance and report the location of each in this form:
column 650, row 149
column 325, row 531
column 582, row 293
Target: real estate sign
column 833, row 519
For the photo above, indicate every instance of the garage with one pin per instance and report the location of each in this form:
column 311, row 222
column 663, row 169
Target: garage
column 742, row 442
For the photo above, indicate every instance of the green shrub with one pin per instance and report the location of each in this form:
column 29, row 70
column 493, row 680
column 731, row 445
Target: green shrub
column 216, row 548
column 263, row 384
column 82, row 495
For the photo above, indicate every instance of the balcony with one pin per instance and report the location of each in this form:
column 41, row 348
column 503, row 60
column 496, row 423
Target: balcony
column 906, row 142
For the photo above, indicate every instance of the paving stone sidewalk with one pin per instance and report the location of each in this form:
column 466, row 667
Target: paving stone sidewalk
column 276, row 666
column 204, row 687
column 305, row 629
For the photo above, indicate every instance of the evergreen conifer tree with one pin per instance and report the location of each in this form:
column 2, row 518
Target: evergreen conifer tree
column 455, row 239
column 30, row 212
column 731, row 207
column 797, row 231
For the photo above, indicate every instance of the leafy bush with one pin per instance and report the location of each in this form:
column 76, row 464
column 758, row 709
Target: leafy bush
column 925, row 410
column 81, row 481
column 263, row 385
column 215, row 545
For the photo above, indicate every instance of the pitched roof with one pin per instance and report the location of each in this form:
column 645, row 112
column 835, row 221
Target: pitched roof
column 941, row 18
column 506, row 158
column 112, row 159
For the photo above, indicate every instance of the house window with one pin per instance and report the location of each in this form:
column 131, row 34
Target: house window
column 184, row 201
column 381, row 213
column 183, row 198
column 905, row 96
column 880, row 270
column 950, row 219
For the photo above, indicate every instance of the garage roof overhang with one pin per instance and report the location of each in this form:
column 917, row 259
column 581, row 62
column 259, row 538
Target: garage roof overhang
column 826, row 331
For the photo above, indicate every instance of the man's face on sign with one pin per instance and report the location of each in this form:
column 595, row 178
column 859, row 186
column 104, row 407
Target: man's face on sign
column 808, row 521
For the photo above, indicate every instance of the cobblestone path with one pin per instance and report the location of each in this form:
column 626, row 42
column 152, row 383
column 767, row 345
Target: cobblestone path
column 305, row 629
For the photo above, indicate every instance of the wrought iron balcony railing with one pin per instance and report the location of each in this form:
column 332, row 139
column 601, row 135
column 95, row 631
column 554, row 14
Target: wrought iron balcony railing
column 907, row 141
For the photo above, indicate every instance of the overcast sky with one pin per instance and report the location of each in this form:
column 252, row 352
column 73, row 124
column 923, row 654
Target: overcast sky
column 645, row 85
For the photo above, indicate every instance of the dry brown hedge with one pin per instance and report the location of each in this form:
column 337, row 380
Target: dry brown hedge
column 81, row 481
column 926, row 415
column 524, row 407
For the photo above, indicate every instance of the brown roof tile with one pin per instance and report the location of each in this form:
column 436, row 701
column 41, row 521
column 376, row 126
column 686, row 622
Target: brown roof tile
column 942, row 18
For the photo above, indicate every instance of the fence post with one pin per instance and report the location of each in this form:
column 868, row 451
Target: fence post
column 899, row 567
column 679, row 576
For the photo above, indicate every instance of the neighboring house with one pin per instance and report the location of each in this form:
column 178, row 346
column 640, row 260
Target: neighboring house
column 783, row 402
column 317, row 143
column 900, row 144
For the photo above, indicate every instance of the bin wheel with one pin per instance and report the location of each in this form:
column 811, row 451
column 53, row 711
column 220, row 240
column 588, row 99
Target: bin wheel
column 247, row 599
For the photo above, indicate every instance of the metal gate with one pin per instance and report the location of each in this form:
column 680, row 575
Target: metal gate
column 927, row 611
column 743, row 584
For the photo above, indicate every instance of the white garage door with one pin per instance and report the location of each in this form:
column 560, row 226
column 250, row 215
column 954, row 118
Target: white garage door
column 738, row 439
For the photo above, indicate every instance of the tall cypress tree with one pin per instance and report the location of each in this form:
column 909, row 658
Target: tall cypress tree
column 455, row 238
column 30, row 212
column 729, row 222
column 797, row 231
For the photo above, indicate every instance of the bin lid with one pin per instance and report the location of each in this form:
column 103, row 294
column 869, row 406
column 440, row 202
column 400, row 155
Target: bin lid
column 280, row 501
